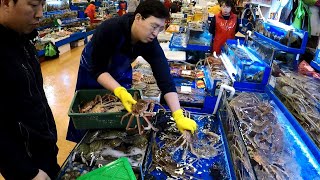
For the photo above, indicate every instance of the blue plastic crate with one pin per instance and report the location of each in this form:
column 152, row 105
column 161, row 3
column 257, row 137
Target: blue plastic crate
column 217, row 167
column 316, row 61
column 280, row 31
column 245, row 69
column 299, row 152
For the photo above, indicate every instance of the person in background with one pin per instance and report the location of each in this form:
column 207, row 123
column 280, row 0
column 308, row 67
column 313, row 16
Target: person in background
column 174, row 7
column 193, row 3
column 122, row 7
column 167, row 4
column 223, row 26
column 132, row 5
column 91, row 11
column 28, row 133
column 106, row 60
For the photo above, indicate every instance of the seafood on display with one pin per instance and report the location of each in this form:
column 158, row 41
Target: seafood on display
column 191, row 98
column 144, row 80
column 301, row 95
column 186, row 155
column 216, row 69
column 183, row 69
column 100, row 147
column 105, row 103
column 143, row 108
column 264, row 138
column 72, row 172
column 240, row 157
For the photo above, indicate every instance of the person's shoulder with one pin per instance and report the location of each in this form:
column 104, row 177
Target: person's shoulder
column 114, row 27
column 111, row 23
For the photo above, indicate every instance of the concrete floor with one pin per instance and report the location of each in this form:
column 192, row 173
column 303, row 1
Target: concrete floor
column 59, row 76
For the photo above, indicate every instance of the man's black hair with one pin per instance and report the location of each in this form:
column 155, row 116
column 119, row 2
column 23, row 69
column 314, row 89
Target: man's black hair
column 15, row 1
column 152, row 8
column 228, row 3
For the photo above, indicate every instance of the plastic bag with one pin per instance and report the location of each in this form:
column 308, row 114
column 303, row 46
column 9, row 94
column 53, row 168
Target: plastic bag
column 51, row 51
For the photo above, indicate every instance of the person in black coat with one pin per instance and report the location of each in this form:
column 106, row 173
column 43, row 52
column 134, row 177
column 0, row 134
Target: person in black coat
column 28, row 133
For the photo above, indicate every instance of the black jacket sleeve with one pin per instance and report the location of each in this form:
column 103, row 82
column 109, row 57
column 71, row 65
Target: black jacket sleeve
column 212, row 27
column 14, row 158
column 154, row 55
column 105, row 41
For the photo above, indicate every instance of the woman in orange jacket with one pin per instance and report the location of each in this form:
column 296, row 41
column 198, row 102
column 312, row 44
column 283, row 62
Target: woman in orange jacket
column 90, row 11
column 223, row 26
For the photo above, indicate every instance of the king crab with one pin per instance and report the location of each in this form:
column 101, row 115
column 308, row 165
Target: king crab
column 189, row 139
column 143, row 108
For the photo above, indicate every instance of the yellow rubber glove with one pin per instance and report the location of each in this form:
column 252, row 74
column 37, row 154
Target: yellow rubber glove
column 184, row 123
column 125, row 97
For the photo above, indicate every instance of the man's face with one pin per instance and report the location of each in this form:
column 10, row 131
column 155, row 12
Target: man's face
column 225, row 10
column 24, row 15
column 149, row 28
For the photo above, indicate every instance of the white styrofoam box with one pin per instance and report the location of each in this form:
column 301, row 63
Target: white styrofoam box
column 177, row 15
column 64, row 48
column 176, row 55
column 164, row 36
column 165, row 46
column 77, row 43
column 153, row 98
column 172, row 54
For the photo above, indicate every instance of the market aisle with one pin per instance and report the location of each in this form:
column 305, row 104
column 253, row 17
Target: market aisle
column 59, row 76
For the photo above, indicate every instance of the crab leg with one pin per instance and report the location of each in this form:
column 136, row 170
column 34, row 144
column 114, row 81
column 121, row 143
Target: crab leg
column 139, row 126
column 129, row 123
column 177, row 140
column 185, row 152
column 192, row 150
column 124, row 116
column 150, row 126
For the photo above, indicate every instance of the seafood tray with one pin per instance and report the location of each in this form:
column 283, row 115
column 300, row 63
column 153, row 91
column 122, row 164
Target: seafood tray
column 189, row 94
column 96, row 120
column 215, row 74
column 258, row 130
column 172, row 155
column 301, row 96
column 284, row 37
column 178, row 41
column 100, row 147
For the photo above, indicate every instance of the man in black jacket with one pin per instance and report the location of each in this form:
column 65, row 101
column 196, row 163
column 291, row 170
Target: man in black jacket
column 106, row 59
column 28, row 133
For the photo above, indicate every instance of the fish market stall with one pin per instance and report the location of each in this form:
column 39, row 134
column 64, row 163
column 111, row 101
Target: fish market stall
column 263, row 142
column 202, row 155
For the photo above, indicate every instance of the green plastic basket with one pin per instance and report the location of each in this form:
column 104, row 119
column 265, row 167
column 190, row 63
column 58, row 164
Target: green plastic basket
column 96, row 120
column 119, row 169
